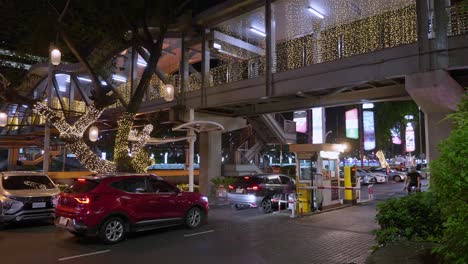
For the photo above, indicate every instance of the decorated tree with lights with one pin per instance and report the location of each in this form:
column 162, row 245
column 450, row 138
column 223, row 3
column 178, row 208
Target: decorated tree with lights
column 139, row 23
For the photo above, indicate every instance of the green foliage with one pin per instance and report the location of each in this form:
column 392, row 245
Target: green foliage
column 62, row 187
column 449, row 180
column 225, row 181
column 439, row 215
column 415, row 217
column 391, row 114
column 185, row 187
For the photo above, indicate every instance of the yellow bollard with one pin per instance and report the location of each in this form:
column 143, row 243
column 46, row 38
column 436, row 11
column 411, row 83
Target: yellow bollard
column 348, row 194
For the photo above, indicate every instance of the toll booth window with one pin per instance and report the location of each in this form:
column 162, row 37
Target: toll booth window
column 328, row 168
column 307, row 168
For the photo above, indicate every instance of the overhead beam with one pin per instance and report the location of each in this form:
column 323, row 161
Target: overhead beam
column 238, row 43
column 77, row 84
column 387, row 93
column 144, row 54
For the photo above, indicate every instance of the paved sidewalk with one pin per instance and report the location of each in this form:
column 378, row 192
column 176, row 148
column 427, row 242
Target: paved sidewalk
column 340, row 236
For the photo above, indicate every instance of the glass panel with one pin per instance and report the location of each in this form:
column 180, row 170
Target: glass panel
column 328, row 168
column 307, row 169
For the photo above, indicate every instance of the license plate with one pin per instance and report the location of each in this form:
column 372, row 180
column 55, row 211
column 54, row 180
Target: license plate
column 63, row 221
column 239, row 190
column 39, row 205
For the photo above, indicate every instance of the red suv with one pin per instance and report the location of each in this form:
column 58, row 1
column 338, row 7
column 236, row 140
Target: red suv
column 110, row 206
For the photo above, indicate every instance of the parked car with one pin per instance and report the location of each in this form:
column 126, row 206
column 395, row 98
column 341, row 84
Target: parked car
column 397, row 176
column 376, row 176
column 112, row 205
column 26, row 196
column 258, row 190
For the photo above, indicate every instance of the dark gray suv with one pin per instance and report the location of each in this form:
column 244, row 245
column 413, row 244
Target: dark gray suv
column 258, row 190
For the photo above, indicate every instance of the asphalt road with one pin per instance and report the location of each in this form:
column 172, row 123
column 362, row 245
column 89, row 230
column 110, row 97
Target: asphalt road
column 231, row 236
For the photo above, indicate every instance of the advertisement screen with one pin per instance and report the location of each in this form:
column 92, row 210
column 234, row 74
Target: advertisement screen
column 395, row 136
column 352, row 129
column 317, row 125
column 409, row 138
column 369, row 133
column 300, row 117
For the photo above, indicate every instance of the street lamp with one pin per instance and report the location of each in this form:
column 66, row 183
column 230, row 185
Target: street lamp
column 54, row 60
column 3, row 119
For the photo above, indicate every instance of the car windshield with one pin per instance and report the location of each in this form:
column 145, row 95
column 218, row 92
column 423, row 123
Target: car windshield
column 27, row 182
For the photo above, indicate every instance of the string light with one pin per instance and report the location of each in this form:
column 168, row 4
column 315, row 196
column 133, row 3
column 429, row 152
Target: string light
column 348, row 29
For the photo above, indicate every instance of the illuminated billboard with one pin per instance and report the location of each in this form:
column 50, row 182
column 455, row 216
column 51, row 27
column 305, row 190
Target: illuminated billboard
column 409, row 138
column 300, row 117
column 395, row 136
column 317, row 125
column 369, row 132
column 352, row 124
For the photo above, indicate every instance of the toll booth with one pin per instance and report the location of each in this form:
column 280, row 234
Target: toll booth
column 318, row 176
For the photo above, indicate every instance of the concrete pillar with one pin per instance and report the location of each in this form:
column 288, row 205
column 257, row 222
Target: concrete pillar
column 210, row 159
column 438, row 94
column 12, row 158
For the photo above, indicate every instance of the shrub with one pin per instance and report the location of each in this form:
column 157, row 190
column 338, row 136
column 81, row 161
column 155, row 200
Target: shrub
column 185, row 187
column 449, row 181
column 415, row 217
column 223, row 181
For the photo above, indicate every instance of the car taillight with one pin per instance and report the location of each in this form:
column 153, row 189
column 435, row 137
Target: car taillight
column 81, row 180
column 231, row 187
column 253, row 188
column 83, row 200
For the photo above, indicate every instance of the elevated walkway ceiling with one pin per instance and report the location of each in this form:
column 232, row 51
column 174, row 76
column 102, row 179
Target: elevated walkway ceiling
column 375, row 76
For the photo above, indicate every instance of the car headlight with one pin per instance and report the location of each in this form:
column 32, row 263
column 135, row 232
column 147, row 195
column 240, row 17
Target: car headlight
column 10, row 206
column 204, row 198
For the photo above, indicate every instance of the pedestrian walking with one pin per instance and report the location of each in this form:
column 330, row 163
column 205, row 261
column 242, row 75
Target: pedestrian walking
column 413, row 180
column 370, row 191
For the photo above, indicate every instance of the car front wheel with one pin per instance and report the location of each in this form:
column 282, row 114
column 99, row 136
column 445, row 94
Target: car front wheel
column 194, row 218
column 113, row 230
column 397, row 178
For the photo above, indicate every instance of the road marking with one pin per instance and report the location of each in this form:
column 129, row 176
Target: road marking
column 84, row 255
column 199, row 233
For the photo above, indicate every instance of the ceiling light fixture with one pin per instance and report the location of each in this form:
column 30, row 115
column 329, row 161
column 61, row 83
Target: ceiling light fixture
column 316, row 13
column 257, row 31
column 118, row 78
column 89, row 80
column 142, row 63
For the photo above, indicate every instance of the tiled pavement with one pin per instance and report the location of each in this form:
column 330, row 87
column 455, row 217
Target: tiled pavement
column 340, row 236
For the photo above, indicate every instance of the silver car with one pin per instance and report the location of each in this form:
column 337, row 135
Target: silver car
column 26, row 196
column 258, row 190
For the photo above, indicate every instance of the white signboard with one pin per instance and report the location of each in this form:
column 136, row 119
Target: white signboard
column 317, row 125
column 409, row 137
column 369, row 132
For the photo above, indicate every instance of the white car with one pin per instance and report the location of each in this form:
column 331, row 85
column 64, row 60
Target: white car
column 379, row 177
column 397, row 176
